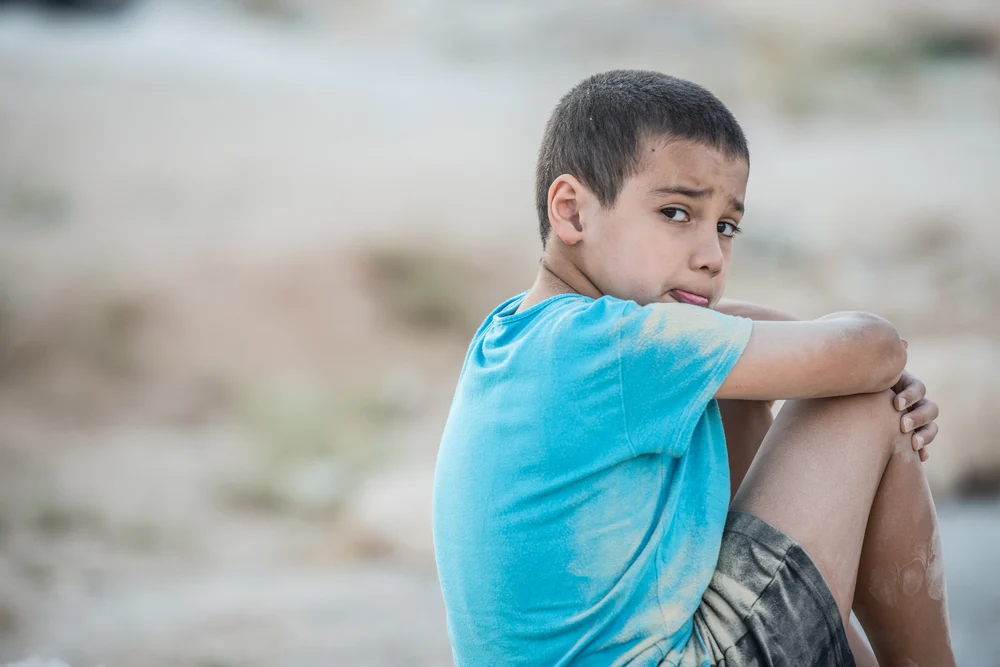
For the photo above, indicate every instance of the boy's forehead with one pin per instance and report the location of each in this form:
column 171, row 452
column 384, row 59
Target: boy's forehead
column 681, row 162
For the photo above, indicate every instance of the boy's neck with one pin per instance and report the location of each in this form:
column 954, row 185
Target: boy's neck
column 558, row 275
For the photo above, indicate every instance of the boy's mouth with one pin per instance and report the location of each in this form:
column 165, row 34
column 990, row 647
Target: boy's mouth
column 688, row 297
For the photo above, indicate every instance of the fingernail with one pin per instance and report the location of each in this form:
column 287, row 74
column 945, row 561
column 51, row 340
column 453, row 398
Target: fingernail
column 901, row 402
column 919, row 440
column 907, row 424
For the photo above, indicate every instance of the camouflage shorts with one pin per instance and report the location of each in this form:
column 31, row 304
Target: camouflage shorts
column 767, row 605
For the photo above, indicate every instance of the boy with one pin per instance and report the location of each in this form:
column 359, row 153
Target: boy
column 582, row 485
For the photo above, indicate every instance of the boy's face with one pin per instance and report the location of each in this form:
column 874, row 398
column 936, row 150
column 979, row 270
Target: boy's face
column 668, row 237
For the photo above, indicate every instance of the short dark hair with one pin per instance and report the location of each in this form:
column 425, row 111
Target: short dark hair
column 596, row 130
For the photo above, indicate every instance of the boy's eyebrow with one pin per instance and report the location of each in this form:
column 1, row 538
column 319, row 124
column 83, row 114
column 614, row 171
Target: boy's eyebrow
column 695, row 194
column 680, row 190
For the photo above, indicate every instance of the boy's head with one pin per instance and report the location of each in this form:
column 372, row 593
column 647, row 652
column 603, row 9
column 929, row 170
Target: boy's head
column 642, row 177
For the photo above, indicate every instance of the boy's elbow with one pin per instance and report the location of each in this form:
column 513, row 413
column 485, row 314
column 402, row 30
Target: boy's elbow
column 885, row 353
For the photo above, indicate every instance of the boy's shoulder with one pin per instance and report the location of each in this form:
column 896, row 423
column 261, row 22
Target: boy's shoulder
column 560, row 314
column 567, row 314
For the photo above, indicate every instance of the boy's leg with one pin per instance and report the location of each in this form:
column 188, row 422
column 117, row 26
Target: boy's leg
column 746, row 423
column 838, row 476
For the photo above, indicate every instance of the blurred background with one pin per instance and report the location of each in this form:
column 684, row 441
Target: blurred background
column 244, row 243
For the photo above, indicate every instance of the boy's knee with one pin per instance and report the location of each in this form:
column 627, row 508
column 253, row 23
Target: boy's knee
column 874, row 413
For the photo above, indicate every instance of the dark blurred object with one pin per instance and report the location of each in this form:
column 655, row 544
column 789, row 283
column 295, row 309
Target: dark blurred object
column 979, row 484
column 74, row 5
column 957, row 43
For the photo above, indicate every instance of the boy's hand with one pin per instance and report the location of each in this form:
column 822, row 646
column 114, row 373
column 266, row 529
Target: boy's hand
column 918, row 412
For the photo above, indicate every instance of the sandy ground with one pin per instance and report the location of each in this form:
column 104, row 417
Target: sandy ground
column 216, row 439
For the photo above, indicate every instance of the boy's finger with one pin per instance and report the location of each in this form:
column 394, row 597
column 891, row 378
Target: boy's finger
column 923, row 455
column 923, row 413
column 923, row 437
column 910, row 394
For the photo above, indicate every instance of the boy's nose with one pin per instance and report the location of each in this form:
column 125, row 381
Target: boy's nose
column 708, row 256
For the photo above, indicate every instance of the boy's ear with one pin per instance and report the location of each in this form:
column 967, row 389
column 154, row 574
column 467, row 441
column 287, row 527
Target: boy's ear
column 566, row 199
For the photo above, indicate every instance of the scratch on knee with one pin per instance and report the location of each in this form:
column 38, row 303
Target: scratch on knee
column 924, row 572
column 912, row 577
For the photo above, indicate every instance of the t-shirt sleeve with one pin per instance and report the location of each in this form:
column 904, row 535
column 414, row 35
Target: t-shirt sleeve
column 673, row 359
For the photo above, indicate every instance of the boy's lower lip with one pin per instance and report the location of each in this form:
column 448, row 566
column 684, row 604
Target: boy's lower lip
column 688, row 297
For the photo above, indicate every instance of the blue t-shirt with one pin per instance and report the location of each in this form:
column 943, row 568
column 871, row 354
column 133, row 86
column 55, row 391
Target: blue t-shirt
column 582, row 482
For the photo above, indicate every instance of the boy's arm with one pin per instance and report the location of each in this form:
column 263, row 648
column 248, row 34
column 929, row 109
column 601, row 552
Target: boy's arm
column 747, row 421
column 835, row 355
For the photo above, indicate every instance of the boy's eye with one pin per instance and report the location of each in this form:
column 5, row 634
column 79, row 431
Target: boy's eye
column 727, row 229
column 675, row 214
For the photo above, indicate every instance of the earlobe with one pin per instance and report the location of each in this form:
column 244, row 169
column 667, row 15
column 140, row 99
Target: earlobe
column 564, row 209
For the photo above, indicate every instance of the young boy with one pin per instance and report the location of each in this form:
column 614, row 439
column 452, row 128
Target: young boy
column 604, row 423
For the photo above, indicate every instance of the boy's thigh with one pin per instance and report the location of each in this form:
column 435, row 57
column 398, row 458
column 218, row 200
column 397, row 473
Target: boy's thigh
column 815, row 478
